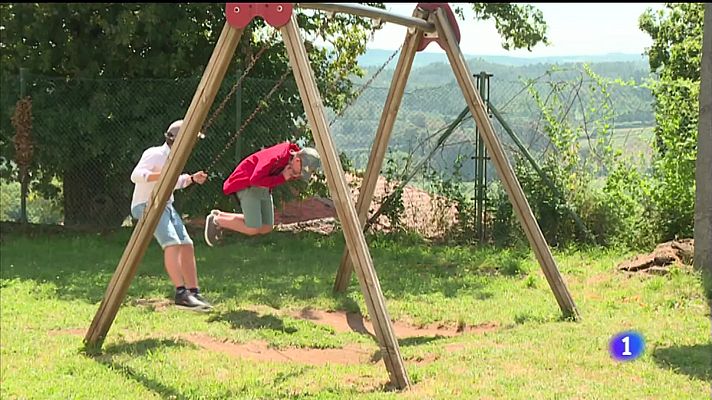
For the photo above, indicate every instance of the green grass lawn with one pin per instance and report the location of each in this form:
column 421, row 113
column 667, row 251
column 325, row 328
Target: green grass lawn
column 52, row 286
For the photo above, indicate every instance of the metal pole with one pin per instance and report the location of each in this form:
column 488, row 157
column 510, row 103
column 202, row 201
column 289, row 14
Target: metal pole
column 24, row 176
column 479, row 158
column 370, row 12
column 482, row 83
column 476, row 158
column 482, row 152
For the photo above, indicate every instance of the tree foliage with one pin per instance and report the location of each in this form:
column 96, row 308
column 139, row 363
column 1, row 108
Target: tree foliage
column 676, row 31
column 99, row 50
column 84, row 62
column 519, row 25
column 675, row 57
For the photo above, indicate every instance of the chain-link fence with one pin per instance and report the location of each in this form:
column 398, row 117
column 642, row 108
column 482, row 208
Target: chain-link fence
column 89, row 133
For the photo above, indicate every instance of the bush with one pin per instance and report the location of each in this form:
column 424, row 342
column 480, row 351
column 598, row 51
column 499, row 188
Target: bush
column 605, row 190
column 39, row 209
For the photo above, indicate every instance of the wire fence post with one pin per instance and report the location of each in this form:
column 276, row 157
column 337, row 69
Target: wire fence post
column 483, row 84
column 24, row 175
column 23, row 85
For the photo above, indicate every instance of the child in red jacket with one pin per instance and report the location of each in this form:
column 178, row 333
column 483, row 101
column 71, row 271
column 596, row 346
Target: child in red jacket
column 252, row 182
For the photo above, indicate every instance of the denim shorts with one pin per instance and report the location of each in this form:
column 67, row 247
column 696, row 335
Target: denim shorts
column 257, row 206
column 170, row 230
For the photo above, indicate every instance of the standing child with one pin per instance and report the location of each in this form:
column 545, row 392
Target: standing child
column 178, row 252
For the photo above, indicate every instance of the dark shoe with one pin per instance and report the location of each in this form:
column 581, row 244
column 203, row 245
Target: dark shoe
column 202, row 300
column 186, row 299
column 213, row 233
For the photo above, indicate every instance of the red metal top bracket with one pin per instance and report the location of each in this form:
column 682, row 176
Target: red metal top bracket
column 425, row 41
column 239, row 15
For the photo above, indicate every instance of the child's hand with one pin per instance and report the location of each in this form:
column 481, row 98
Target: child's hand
column 199, row 177
column 288, row 173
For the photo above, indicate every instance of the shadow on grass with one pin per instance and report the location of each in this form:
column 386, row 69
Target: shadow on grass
column 377, row 355
column 357, row 324
column 419, row 340
column 694, row 361
column 275, row 269
column 251, row 320
column 140, row 348
column 145, row 346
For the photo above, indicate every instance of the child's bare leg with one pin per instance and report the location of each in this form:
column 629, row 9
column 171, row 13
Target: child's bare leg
column 235, row 222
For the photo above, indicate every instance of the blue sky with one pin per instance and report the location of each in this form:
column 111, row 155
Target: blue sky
column 574, row 29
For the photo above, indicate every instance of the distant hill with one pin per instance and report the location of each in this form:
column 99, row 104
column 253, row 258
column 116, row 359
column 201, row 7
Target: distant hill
column 433, row 99
column 376, row 57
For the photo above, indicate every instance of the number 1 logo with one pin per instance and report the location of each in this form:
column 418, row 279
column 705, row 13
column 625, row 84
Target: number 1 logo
column 626, row 341
column 626, row 346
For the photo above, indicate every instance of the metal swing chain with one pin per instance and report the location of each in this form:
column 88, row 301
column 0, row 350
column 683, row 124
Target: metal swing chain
column 263, row 101
column 360, row 91
column 279, row 83
column 232, row 92
column 273, row 90
column 249, row 119
column 365, row 86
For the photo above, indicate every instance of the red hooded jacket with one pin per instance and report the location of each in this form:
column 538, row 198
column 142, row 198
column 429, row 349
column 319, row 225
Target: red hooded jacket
column 263, row 168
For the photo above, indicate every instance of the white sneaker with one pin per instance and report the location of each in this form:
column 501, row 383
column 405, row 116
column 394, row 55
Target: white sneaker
column 212, row 233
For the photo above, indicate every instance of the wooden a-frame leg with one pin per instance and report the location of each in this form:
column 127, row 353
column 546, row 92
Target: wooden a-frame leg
column 143, row 232
column 380, row 144
column 355, row 241
column 504, row 169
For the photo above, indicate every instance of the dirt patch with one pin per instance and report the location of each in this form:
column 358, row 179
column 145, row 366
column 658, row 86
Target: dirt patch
column 68, row 331
column 260, row 351
column 153, row 304
column 322, row 226
column 342, row 321
column 429, row 358
column 665, row 255
column 349, row 355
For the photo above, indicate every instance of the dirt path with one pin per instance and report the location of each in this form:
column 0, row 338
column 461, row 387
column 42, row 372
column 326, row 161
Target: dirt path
column 340, row 321
column 260, row 351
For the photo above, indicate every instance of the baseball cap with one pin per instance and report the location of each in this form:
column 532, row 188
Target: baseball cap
column 311, row 162
column 174, row 129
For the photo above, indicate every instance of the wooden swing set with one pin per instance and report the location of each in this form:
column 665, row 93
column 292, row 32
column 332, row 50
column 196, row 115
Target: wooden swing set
column 430, row 22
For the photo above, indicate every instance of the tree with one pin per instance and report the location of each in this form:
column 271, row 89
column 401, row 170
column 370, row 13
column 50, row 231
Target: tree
column 111, row 67
column 520, row 25
column 703, row 208
column 676, row 31
column 674, row 56
column 106, row 79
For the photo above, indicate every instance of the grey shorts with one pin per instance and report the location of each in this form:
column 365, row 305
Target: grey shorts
column 257, row 206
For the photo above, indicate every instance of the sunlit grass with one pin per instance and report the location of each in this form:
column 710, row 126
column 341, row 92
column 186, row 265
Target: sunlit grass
column 52, row 285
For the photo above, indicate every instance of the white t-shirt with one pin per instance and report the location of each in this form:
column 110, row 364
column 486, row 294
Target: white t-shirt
column 152, row 160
